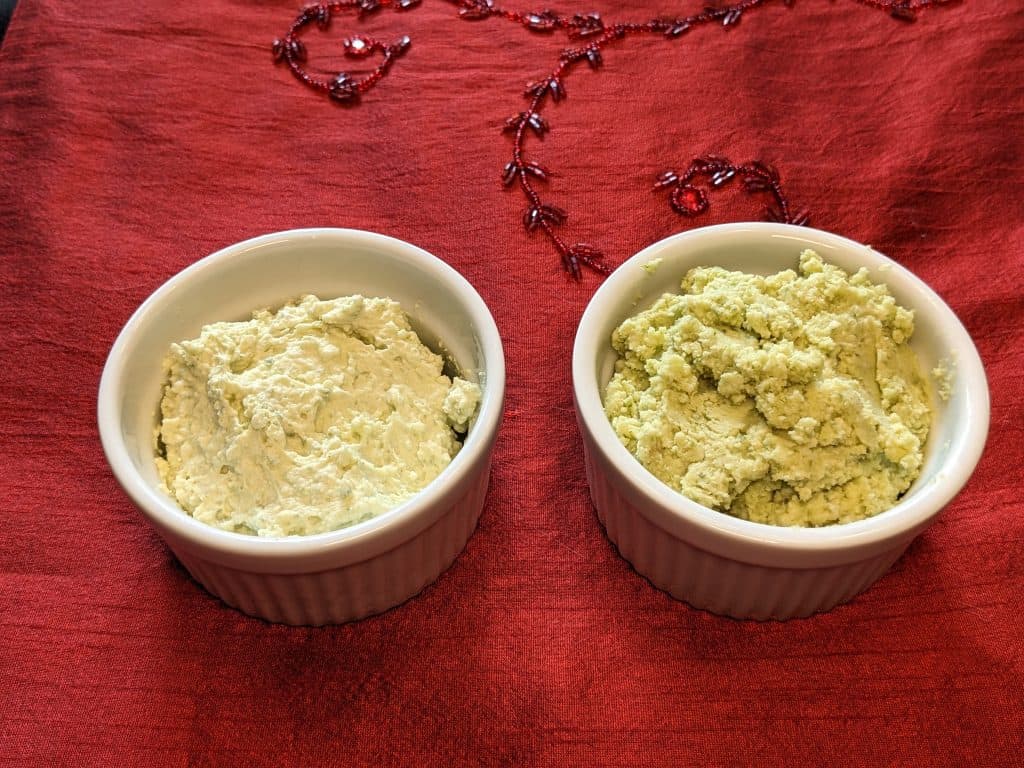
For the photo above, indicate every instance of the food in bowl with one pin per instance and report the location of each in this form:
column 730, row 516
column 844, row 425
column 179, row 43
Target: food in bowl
column 788, row 399
column 309, row 419
column 361, row 569
column 721, row 562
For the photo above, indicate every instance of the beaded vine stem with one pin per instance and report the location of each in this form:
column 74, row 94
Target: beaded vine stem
column 589, row 35
column 687, row 199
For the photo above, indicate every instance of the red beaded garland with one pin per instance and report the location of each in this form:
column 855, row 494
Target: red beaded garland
column 688, row 199
column 594, row 35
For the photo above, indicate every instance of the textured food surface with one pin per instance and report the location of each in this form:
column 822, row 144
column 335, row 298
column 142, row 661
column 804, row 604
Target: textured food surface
column 307, row 419
column 792, row 399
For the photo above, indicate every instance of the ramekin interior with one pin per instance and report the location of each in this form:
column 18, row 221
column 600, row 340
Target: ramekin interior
column 959, row 426
column 271, row 270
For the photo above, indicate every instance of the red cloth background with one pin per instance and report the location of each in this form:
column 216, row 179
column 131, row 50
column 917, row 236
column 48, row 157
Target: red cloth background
column 136, row 137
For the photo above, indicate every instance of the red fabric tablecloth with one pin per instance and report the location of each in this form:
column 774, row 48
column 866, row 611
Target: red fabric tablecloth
column 136, row 137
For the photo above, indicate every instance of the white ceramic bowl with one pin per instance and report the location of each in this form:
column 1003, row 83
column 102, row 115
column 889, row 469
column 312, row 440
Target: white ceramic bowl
column 345, row 574
column 732, row 566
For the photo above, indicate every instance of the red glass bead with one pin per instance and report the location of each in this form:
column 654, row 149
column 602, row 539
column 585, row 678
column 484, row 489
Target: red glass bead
column 344, row 89
column 532, row 119
column 512, row 124
column 538, row 124
column 537, row 214
column 722, row 177
column 297, row 50
column 537, row 170
column 677, row 29
column 357, row 47
column 405, row 5
column 800, row 218
column 688, row 200
column 585, row 25
column 319, row 13
column 401, row 45
column 541, row 22
column 581, row 253
column 666, row 179
column 732, row 17
column 902, row 12
column 554, row 214
column 369, row 6
column 531, row 218
column 537, row 87
column 476, row 9
column 767, row 172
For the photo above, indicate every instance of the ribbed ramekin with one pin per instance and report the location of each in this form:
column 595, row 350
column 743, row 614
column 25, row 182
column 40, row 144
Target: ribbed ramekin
column 341, row 575
column 736, row 567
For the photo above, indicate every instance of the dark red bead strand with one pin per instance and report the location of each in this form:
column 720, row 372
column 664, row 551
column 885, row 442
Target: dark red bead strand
column 539, row 91
column 343, row 88
column 904, row 10
column 688, row 199
column 590, row 34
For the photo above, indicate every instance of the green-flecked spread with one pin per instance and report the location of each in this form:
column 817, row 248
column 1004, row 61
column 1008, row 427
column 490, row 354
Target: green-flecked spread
column 792, row 399
column 308, row 419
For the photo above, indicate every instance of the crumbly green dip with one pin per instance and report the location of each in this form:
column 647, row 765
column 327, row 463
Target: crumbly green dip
column 943, row 374
column 792, row 399
column 308, row 419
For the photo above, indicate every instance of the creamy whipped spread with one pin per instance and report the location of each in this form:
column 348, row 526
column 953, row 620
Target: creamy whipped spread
column 307, row 419
column 793, row 399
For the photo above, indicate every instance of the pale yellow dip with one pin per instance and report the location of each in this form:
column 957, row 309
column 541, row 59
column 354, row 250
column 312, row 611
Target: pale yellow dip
column 793, row 399
column 308, row 419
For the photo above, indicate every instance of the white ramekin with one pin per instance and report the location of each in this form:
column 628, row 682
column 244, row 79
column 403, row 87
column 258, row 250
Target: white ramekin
column 330, row 577
column 732, row 566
